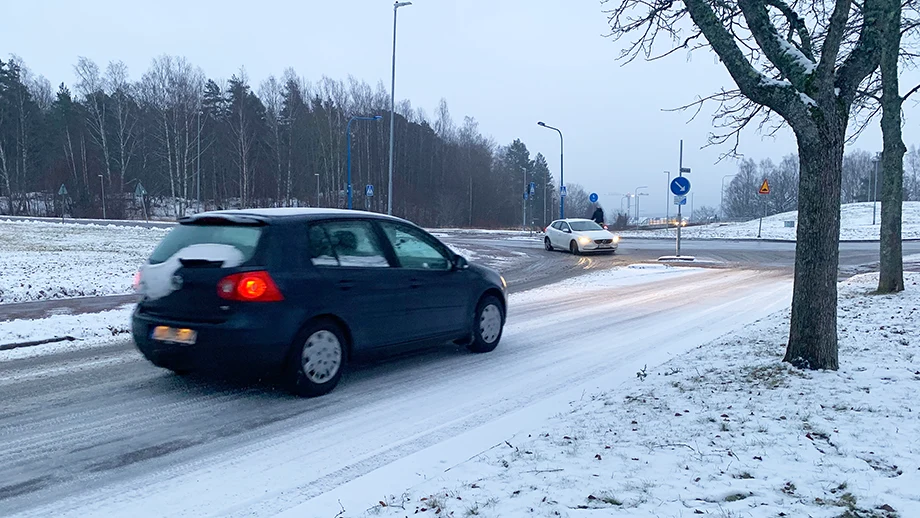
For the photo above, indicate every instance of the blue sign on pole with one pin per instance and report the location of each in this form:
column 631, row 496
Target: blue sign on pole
column 562, row 192
column 680, row 200
column 533, row 188
column 525, row 195
column 369, row 190
column 593, row 197
column 680, row 186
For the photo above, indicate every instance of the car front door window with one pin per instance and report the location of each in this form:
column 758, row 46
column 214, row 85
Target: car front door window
column 414, row 251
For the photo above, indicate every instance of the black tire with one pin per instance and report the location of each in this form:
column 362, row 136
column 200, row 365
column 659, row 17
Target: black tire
column 486, row 338
column 547, row 244
column 328, row 361
column 573, row 248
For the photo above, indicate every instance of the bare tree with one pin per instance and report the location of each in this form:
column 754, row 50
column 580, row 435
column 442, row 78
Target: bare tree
column 91, row 86
column 271, row 93
column 120, row 91
column 804, row 63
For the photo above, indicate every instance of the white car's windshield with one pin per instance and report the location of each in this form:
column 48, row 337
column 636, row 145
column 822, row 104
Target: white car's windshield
column 584, row 226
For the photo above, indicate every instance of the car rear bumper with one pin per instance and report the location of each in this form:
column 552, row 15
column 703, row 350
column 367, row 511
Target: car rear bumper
column 241, row 341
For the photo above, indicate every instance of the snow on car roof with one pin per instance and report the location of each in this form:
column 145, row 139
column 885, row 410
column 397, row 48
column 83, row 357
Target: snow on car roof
column 276, row 212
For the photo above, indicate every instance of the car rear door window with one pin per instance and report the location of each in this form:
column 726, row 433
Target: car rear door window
column 414, row 249
column 346, row 243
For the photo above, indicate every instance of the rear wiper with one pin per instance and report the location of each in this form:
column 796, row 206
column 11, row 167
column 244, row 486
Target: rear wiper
column 201, row 263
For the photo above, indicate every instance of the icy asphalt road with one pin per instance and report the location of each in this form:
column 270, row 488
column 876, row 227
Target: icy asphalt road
column 526, row 265
column 102, row 433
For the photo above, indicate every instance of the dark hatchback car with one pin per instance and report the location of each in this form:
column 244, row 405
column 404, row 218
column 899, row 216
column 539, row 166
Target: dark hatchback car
column 302, row 291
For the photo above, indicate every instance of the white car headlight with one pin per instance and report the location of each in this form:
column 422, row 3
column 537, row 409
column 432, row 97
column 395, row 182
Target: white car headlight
column 616, row 239
column 584, row 240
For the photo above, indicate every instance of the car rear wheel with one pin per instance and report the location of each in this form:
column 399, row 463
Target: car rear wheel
column 547, row 244
column 317, row 359
column 488, row 324
column 573, row 247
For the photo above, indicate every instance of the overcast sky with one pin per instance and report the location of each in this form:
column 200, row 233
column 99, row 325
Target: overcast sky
column 508, row 63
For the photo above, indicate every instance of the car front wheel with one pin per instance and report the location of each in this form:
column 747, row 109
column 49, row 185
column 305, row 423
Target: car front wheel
column 487, row 325
column 317, row 359
column 573, row 247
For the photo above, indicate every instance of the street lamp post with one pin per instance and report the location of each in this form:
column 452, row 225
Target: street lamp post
column 317, row 188
column 637, row 194
column 878, row 160
column 396, row 6
column 722, row 196
column 102, row 183
column 348, row 138
column 561, row 171
column 667, row 199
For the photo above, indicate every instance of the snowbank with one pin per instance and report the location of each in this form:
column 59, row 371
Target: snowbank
column 89, row 330
column 726, row 430
column 855, row 225
column 52, row 260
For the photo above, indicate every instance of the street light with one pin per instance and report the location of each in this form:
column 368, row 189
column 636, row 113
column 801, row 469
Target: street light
column 722, row 196
column 348, row 138
column 102, row 183
column 317, row 188
column 561, row 173
column 667, row 199
column 637, row 194
column 396, row 6
column 878, row 160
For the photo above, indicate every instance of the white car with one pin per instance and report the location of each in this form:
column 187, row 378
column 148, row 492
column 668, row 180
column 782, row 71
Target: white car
column 579, row 235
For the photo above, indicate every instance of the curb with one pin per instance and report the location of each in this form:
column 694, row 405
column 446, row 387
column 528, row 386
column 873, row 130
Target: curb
column 9, row 347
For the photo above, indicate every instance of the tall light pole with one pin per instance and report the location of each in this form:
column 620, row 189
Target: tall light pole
column 317, row 188
column 396, row 6
column 667, row 199
column 722, row 196
column 878, row 160
column 348, row 139
column 636, row 194
column 102, row 183
column 561, row 172
column 198, row 162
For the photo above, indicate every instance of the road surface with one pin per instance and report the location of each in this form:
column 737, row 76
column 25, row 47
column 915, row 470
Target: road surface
column 526, row 265
column 100, row 432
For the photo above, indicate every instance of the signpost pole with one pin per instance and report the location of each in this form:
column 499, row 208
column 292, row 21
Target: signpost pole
column 764, row 190
column 680, row 172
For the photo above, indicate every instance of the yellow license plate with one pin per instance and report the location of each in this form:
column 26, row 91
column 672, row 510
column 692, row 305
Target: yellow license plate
column 172, row 334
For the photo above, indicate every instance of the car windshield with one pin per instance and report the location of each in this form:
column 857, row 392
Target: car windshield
column 243, row 238
column 584, row 226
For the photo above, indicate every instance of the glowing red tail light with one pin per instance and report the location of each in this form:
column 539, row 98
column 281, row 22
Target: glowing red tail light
column 255, row 286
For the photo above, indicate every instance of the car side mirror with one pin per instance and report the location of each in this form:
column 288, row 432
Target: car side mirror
column 568, row 231
column 460, row 263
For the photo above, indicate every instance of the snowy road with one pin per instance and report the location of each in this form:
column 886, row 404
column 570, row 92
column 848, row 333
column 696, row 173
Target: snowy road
column 100, row 432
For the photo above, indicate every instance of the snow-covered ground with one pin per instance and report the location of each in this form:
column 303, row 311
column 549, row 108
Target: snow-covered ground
column 44, row 260
column 855, row 225
column 724, row 430
column 87, row 330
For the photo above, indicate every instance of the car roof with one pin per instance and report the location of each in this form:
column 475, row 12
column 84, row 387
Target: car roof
column 573, row 219
column 277, row 214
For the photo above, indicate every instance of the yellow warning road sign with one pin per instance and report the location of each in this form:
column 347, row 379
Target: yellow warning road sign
column 764, row 187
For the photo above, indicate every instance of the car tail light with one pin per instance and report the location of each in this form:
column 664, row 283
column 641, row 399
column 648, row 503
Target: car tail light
column 137, row 281
column 255, row 286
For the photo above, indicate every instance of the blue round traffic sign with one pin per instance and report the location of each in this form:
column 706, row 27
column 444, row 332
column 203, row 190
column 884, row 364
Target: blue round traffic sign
column 680, row 186
column 593, row 197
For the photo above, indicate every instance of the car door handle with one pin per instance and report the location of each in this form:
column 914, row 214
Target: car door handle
column 346, row 285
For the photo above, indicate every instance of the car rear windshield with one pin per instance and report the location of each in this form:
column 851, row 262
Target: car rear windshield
column 584, row 226
column 243, row 238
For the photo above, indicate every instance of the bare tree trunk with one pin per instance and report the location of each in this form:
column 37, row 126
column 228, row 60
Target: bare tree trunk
column 891, row 268
column 5, row 175
column 813, row 326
